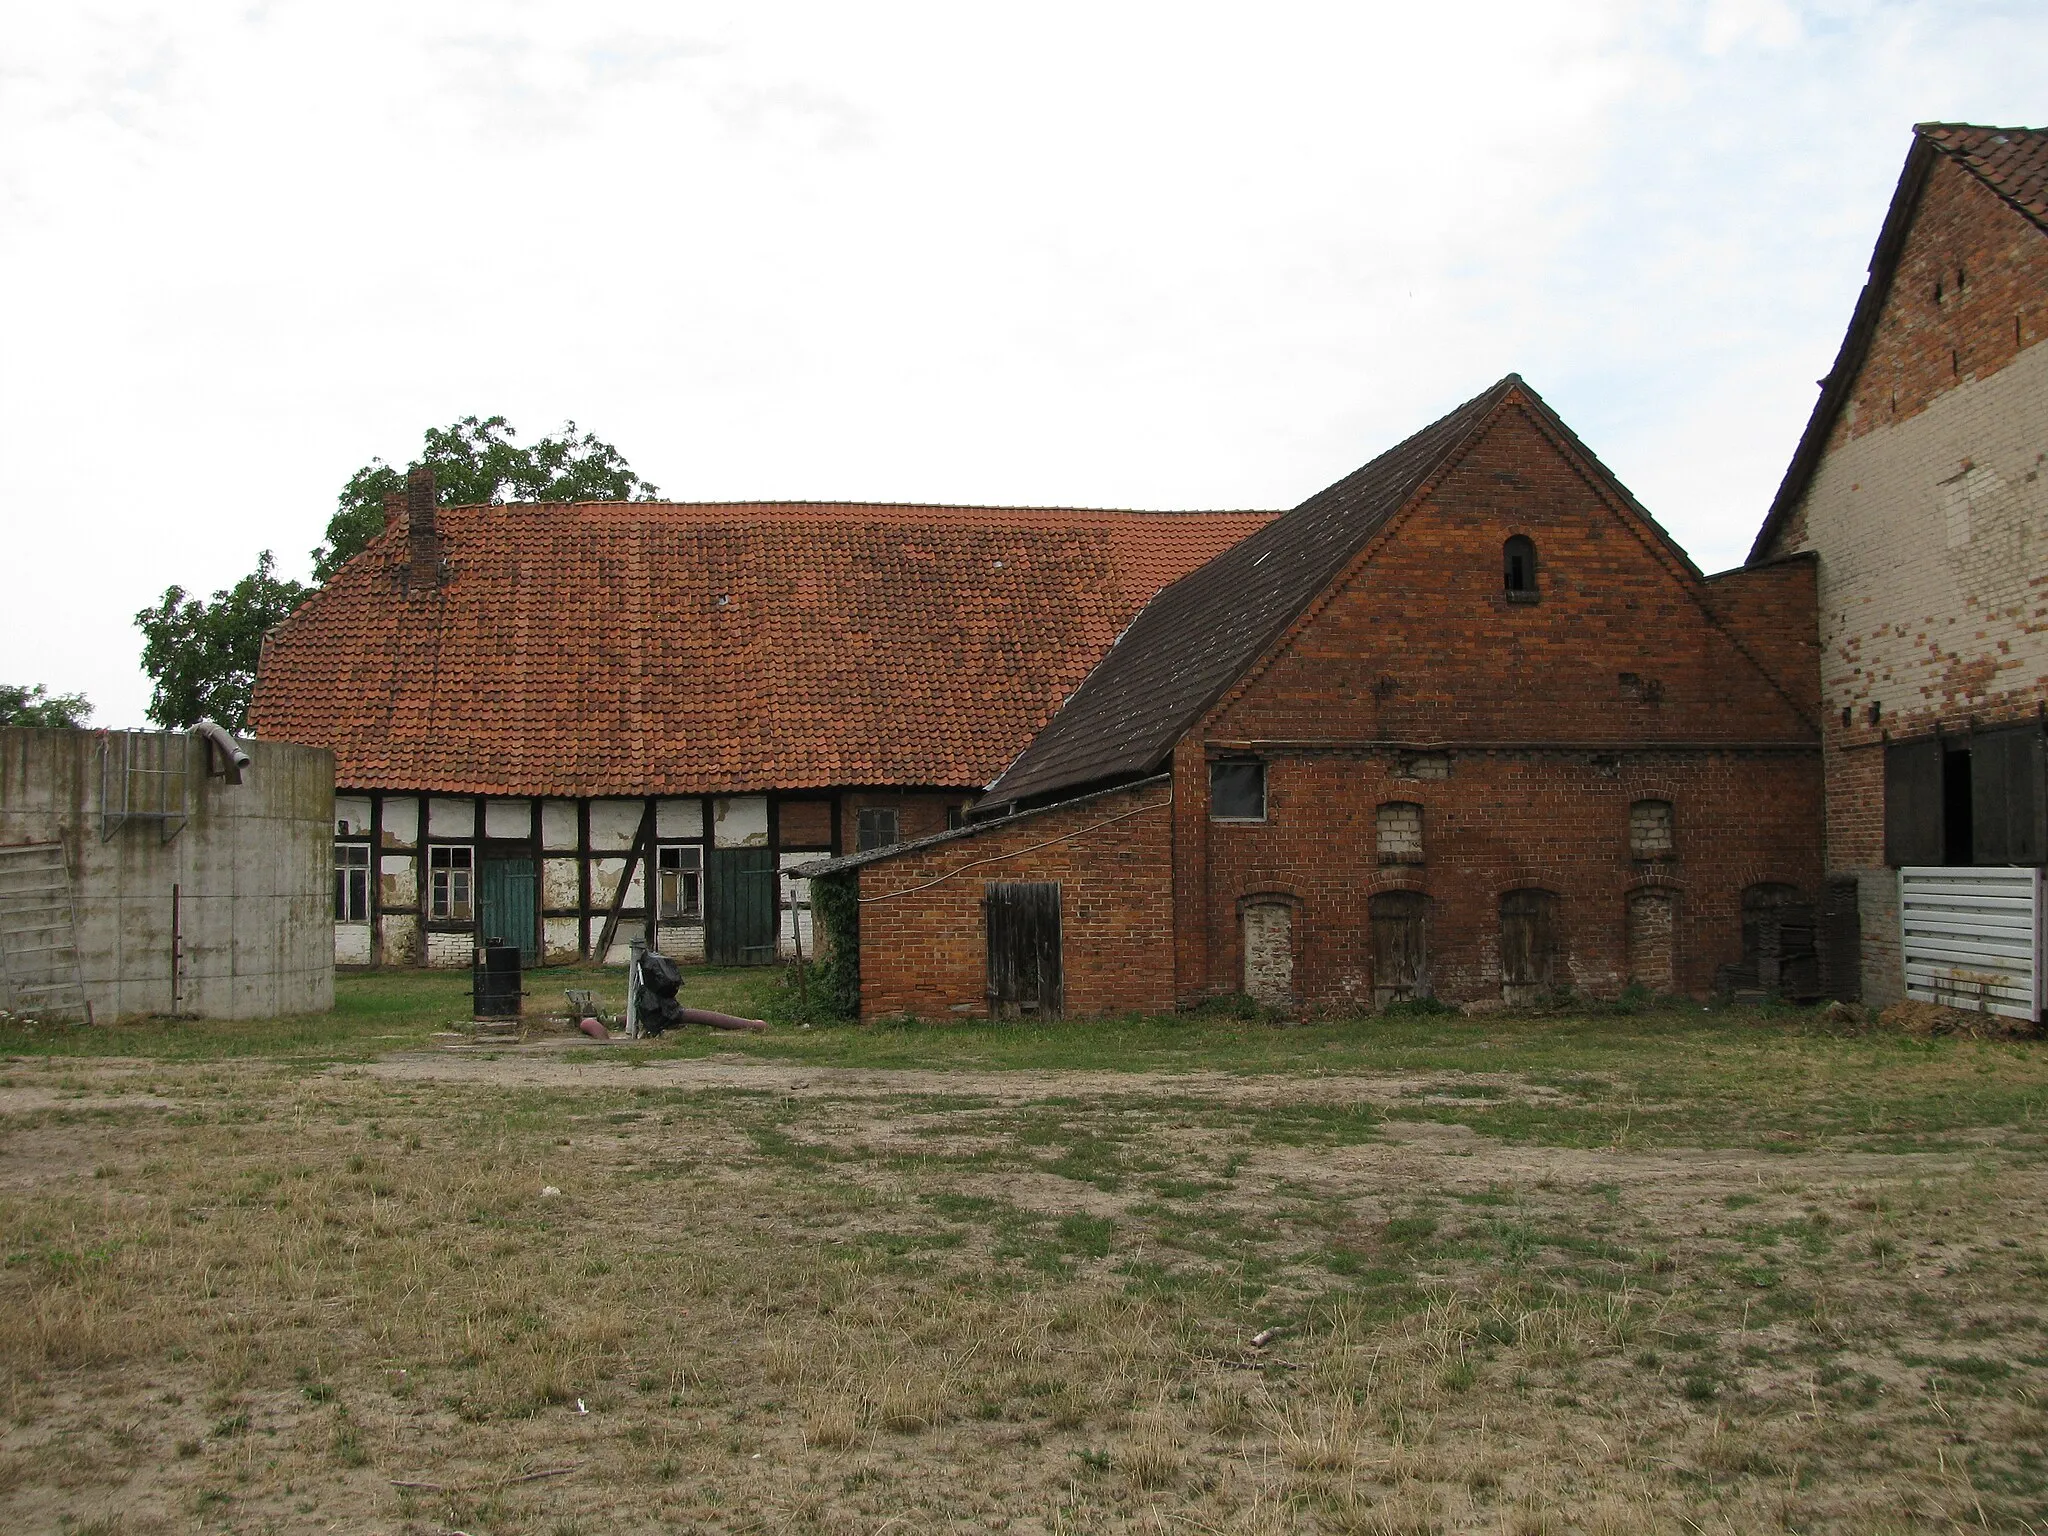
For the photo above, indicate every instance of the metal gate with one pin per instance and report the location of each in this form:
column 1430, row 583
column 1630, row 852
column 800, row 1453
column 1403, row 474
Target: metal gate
column 506, row 906
column 1971, row 938
column 1025, row 974
column 739, row 906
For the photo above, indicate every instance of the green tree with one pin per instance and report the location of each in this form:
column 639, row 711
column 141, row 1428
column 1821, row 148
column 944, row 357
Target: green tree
column 202, row 656
column 477, row 463
column 39, row 706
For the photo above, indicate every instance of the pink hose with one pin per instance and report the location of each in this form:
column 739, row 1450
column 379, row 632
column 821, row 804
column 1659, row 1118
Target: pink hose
column 721, row 1020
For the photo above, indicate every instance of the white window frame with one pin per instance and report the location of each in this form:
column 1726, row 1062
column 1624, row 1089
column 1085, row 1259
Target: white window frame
column 451, row 882
column 679, row 871
column 352, row 882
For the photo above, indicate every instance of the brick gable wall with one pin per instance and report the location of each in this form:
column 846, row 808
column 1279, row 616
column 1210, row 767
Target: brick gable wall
column 1425, row 645
column 1925, row 514
column 1547, row 720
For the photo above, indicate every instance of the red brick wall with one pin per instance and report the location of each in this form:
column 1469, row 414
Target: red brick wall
column 1926, row 346
column 919, row 813
column 1626, row 650
column 1423, row 644
column 1500, row 821
column 924, row 952
column 1770, row 609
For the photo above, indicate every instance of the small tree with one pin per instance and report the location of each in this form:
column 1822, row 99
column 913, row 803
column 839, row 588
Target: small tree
column 37, row 706
column 476, row 463
column 202, row 656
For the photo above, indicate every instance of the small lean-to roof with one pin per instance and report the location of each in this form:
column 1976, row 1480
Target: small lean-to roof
column 1199, row 635
column 2012, row 162
column 847, row 861
column 626, row 648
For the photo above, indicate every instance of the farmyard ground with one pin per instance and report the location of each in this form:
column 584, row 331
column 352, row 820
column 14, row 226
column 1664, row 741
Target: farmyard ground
column 1669, row 1271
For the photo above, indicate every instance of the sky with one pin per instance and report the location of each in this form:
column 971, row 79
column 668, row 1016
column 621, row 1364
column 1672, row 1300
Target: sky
column 1147, row 255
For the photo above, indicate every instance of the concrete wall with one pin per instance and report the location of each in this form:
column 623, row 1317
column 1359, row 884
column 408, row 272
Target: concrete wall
column 253, row 866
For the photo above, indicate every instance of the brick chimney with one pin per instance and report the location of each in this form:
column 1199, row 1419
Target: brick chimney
column 420, row 530
column 394, row 507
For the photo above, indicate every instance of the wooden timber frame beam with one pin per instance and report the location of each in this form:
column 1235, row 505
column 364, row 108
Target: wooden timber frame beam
column 643, row 840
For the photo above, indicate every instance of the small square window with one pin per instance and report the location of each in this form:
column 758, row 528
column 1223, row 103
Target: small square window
column 351, row 882
column 681, row 868
column 876, row 828
column 450, row 868
column 1237, row 791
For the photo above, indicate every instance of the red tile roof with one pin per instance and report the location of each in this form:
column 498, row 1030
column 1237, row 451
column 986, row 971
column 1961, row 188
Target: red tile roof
column 671, row 648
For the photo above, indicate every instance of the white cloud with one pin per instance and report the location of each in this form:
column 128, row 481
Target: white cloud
column 1136, row 254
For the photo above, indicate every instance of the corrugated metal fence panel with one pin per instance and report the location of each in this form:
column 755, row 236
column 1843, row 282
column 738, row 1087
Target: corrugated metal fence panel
column 1971, row 938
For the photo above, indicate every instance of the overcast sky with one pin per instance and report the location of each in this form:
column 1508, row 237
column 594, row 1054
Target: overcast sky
column 1095, row 255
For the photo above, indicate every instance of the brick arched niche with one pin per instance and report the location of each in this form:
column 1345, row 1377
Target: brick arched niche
column 1266, row 923
column 1653, row 938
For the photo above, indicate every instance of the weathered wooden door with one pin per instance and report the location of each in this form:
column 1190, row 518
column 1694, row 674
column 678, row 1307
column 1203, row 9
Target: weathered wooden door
column 1026, row 975
column 1528, row 945
column 1399, row 961
column 1269, row 953
column 506, row 908
column 739, row 906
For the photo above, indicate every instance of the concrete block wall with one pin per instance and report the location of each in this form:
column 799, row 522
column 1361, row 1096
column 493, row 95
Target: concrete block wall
column 253, row 868
column 923, row 940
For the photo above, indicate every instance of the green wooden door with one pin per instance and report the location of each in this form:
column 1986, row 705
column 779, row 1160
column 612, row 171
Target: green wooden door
column 739, row 911
column 507, row 909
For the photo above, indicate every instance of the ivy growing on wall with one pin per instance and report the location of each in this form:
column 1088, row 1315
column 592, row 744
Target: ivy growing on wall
column 835, row 909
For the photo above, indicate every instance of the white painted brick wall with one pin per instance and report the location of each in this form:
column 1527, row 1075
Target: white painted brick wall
column 1933, row 537
column 1649, row 829
column 1400, row 833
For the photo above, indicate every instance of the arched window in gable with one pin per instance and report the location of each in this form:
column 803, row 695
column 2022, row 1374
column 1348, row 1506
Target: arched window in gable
column 1518, row 568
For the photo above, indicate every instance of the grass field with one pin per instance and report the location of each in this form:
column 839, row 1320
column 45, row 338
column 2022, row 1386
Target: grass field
column 1672, row 1270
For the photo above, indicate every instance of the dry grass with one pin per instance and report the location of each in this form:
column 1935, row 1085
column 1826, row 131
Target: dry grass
column 241, row 1296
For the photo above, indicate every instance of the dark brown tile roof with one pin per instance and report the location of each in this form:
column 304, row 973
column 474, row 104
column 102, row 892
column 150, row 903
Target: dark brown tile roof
column 2013, row 162
column 1199, row 635
column 664, row 648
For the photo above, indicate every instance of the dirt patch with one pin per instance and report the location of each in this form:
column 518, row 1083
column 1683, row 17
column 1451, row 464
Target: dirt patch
column 729, row 1294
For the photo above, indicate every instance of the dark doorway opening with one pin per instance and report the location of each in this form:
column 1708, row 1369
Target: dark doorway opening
column 1958, row 832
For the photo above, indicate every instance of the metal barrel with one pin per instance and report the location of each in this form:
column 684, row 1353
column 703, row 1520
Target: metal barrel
column 495, row 981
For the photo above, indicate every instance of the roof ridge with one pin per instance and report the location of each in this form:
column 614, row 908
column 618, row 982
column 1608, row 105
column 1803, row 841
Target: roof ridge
column 877, row 506
column 1194, row 639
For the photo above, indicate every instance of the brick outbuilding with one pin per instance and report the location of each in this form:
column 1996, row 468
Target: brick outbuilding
column 1918, row 489
column 1467, row 724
